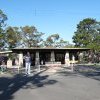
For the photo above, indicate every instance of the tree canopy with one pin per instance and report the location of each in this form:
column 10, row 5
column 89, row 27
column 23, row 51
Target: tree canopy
column 3, row 18
column 55, row 40
column 30, row 37
column 12, row 37
column 87, row 34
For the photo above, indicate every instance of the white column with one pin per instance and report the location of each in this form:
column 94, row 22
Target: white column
column 52, row 56
column 37, row 62
column 73, row 58
column 20, row 59
column 72, row 63
column 9, row 63
column 80, row 57
column 67, row 61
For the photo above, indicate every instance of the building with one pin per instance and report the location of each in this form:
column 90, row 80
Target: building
column 4, row 56
column 50, row 55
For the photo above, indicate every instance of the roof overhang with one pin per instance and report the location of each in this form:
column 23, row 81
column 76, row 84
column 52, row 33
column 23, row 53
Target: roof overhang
column 5, row 52
column 49, row 49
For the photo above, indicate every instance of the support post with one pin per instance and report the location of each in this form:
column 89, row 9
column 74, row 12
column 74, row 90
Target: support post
column 20, row 59
column 67, row 61
column 52, row 57
column 37, row 61
column 73, row 63
column 80, row 57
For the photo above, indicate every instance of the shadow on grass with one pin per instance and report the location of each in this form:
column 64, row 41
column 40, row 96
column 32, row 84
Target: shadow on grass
column 10, row 85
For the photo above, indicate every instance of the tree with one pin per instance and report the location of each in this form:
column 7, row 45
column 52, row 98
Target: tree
column 30, row 36
column 54, row 40
column 51, row 40
column 63, row 43
column 83, row 35
column 88, row 35
column 3, row 18
column 12, row 37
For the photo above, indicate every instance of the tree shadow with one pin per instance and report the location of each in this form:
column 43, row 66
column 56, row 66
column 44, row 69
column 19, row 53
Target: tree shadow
column 88, row 71
column 66, row 71
column 10, row 85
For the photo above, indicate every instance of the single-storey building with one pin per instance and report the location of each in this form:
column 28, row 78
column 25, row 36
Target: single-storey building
column 50, row 55
column 4, row 56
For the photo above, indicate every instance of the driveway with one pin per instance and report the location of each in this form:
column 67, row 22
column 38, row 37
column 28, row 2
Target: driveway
column 49, row 86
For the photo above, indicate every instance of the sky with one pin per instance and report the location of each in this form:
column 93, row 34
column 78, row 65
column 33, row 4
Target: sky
column 50, row 16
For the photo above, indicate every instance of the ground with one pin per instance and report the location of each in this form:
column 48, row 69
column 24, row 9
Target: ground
column 44, row 85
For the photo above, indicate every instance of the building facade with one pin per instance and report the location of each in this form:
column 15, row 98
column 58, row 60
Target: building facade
column 44, row 56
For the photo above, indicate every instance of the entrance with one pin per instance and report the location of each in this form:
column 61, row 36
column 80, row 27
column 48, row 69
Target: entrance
column 44, row 57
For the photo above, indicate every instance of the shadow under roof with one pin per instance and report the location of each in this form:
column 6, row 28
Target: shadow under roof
column 49, row 49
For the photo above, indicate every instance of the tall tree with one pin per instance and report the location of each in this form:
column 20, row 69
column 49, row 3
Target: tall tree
column 88, row 35
column 3, row 18
column 12, row 37
column 83, row 35
column 31, row 37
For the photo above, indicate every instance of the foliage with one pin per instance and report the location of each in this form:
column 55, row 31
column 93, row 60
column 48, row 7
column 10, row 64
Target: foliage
column 3, row 18
column 88, row 35
column 55, row 40
column 30, row 36
column 84, row 31
column 12, row 37
column 51, row 40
